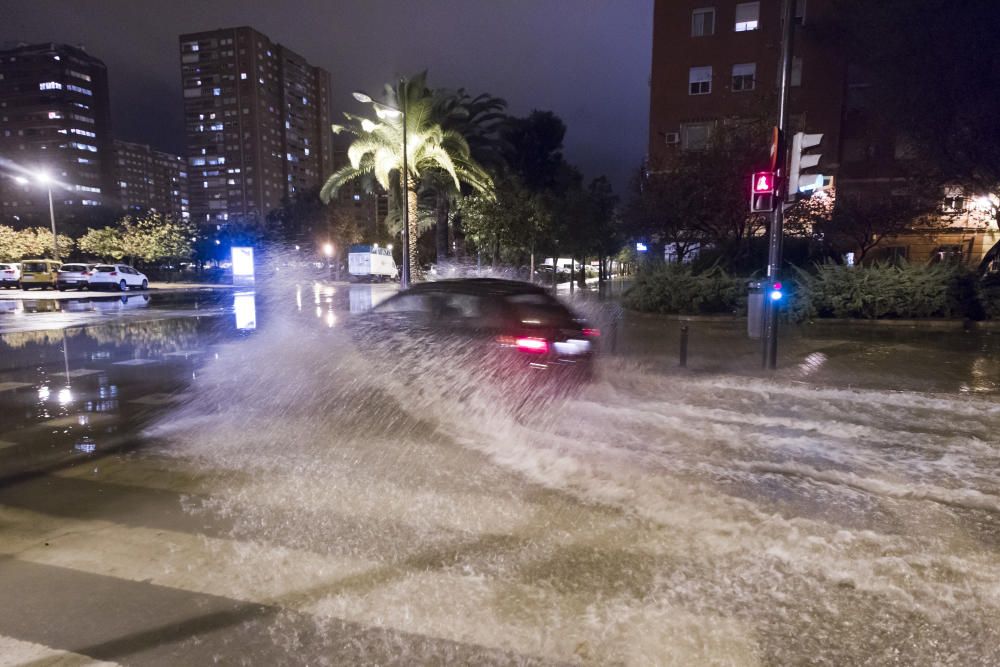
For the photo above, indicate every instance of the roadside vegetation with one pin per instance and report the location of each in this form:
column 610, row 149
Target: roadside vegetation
column 877, row 291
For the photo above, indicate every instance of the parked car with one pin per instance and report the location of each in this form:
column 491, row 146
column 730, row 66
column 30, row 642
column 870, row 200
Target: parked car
column 41, row 273
column 10, row 275
column 501, row 331
column 121, row 277
column 74, row 275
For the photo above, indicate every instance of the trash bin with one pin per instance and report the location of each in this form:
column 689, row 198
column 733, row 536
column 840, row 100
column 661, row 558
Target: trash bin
column 755, row 308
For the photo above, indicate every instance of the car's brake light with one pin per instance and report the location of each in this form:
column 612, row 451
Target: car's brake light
column 592, row 333
column 532, row 345
column 113, row 273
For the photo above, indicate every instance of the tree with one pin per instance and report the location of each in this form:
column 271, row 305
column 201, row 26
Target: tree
column 148, row 238
column 479, row 120
column 306, row 221
column 377, row 150
column 33, row 242
column 507, row 223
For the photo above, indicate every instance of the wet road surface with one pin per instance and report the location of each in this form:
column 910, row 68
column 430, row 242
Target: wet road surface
column 225, row 479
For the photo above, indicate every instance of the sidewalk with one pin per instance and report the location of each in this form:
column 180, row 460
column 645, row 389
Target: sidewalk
column 155, row 287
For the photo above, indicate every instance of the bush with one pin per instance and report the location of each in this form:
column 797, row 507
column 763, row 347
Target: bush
column 678, row 289
column 902, row 291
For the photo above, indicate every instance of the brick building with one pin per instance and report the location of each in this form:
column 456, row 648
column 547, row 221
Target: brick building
column 257, row 119
column 717, row 62
column 54, row 117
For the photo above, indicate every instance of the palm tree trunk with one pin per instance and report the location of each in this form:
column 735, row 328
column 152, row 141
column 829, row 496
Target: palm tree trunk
column 411, row 204
column 441, row 228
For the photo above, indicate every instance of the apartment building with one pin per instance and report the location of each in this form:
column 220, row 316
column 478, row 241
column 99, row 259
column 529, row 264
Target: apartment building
column 151, row 179
column 257, row 120
column 718, row 61
column 54, row 119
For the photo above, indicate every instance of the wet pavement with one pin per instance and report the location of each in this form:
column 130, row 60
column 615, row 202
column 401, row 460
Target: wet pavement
column 217, row 477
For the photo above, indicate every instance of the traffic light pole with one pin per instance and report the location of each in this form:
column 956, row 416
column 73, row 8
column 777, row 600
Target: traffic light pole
column 775, row 238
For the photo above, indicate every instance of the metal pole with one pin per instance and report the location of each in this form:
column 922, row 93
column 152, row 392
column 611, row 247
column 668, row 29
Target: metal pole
column 684, row 347
column 52, row 219
column 404, row 181
column 770, row 337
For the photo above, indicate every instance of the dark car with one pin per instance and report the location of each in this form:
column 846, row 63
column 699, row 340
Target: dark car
column 503, row 330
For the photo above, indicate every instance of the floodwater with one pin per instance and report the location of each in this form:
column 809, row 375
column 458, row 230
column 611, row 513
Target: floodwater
column 843, row 511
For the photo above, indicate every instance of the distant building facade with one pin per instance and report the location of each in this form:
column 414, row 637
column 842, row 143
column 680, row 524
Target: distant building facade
column 151, row 179
column 257, row 121
column 718, row 62
column 54, row 117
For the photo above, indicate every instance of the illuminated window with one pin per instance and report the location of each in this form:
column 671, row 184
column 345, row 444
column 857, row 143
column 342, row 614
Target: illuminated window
column 55, row 114
column 700, row 80
column 747, row 16
column 744, row 77
column 243, row 75
column 217, row 91
column 78, row 89
column 50, row 85
column 703, row 22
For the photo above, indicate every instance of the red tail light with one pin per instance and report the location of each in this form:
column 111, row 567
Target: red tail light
column 113, row 273
column 592, row 333
column 533, row 345
column 86, row 273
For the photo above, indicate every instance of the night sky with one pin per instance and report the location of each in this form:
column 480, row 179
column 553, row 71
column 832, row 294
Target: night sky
column 586, row 60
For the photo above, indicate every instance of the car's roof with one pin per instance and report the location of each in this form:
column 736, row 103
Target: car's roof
column 490, row 286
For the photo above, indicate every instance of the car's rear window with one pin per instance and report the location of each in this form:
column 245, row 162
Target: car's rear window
column 37, row 267
column 105, row 269
column 73, row 267
column 4, row 267
column 537, row 308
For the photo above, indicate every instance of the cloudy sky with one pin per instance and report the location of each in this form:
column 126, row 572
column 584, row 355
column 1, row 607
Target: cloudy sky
column 586, row 60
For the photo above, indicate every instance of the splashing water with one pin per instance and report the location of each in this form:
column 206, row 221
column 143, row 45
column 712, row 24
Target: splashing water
column 649, row 519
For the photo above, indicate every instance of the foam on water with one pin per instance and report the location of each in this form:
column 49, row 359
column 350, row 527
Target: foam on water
column 651, row 519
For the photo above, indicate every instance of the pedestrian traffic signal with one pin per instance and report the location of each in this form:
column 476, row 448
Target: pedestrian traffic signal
column 763, row 182
column 776, row 293
column 762, row 186
column 797, row 181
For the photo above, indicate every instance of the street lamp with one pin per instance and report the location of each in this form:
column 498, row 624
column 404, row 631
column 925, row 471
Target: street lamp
column 387, row 111
column 328, row 251
column 43, row 178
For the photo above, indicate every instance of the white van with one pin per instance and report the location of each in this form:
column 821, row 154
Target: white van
column 370, row 262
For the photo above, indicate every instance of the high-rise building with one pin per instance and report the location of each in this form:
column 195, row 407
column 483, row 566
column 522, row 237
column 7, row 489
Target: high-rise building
column 54, row 117
column 151, row 179
column 257, row 118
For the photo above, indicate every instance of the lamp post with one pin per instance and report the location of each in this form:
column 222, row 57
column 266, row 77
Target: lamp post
column 393, row 112
column 43, row 178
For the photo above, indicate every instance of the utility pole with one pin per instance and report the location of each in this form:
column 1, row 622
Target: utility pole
column 770, row 337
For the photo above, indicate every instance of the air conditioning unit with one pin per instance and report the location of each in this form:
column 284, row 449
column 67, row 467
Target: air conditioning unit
column 673, row 137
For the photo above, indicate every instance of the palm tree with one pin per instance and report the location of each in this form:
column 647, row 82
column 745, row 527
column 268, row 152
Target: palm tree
column 377, row 150
column 478, row 119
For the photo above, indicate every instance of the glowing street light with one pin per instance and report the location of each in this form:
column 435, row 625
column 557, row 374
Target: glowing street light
column 328, row 251
column 43, row 178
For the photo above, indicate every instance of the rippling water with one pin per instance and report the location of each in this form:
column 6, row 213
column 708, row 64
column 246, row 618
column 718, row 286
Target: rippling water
column 652, row 519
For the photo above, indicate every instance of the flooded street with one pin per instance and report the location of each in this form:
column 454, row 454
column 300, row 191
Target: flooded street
column 235, row 478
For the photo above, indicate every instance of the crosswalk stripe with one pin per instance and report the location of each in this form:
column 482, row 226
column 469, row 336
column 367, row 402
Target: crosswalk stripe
column 18, row 653
column 413, row 597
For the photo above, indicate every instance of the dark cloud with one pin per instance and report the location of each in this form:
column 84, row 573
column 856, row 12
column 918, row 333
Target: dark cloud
column 586, row 60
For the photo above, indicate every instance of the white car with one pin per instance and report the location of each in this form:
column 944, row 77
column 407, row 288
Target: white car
column 117, row 276
column 10, row 275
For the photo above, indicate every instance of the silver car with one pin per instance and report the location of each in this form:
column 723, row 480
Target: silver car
column 74, row 275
